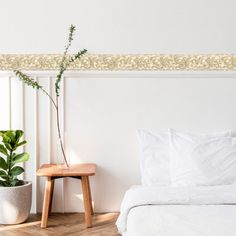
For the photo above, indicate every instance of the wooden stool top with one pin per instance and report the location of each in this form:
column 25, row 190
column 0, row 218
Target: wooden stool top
column 56, row 170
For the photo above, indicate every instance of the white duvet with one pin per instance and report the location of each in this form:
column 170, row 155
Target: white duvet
column 179, row 211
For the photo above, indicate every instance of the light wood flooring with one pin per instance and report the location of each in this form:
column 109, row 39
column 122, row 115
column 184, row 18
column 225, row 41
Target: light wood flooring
column 64, row 224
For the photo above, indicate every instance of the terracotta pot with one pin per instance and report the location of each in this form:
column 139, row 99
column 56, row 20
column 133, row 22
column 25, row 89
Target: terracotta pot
column 15, row 203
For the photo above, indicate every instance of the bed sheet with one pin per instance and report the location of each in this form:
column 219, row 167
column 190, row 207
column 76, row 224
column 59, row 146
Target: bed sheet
column 173, row 197
column 182, row 220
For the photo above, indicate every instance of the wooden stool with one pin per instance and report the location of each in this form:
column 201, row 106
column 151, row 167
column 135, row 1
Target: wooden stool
column 79, row 171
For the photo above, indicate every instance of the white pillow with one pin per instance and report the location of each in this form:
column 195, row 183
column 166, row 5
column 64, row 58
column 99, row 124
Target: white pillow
column 202, row 160
column 154, row 158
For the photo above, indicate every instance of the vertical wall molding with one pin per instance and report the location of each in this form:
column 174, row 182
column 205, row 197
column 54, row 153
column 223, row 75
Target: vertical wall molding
column 36, row 198
column 50, row 121
column 30, row 110
column 62, row 124
column 10, row 105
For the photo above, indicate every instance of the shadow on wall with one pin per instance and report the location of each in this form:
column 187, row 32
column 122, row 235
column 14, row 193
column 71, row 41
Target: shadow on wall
column 107, row 184
column 102, row 187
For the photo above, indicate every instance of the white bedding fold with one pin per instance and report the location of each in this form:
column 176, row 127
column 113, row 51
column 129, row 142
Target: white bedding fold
column 202, row 195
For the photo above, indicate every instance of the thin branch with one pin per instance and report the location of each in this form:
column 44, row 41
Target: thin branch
column 62, row 64
column 59, row 134
column 33, row 83
column 77, row 56
column 53, row 102
column 62, row 68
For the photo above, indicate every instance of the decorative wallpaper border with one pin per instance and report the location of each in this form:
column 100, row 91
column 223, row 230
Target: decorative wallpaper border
column 123, row 62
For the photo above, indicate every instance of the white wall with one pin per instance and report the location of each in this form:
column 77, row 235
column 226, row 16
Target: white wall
column 101, row 114
column 103, row 110
column 124, row 26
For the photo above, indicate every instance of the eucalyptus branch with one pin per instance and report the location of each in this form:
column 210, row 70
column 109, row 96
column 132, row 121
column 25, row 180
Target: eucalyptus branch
column 27, row 80
column 64, row 64
column 75, row 57
column 34, row 84
column 70, row 39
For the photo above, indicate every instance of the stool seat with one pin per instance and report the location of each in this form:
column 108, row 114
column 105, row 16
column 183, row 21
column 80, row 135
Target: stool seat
column 54, row 170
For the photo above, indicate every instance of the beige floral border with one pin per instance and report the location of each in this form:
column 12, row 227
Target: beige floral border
column 105, row 62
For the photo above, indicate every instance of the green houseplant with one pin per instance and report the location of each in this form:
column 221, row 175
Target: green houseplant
column 9, row 170
column 66, row 61
column 15, row 194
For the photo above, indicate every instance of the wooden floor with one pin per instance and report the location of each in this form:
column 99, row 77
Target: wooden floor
column 64, row 224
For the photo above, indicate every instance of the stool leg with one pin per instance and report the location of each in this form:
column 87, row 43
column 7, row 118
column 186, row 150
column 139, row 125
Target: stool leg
column 90, row 198
column 46, row 202
column 51, row 197
column 87, row 207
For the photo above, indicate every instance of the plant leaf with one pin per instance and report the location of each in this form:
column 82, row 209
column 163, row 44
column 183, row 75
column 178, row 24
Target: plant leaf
column 17, row 170
column 27, row 80
column 5, row 177
column 11, row 135
column 6, row 139
column 3, row 164
column 19, row 144
column 19, row 134
column 23, row 157
column 2, row 173
column 8, row 146
column 14, row 182
column 3, row 150
column 3, row 183
column 2, row 132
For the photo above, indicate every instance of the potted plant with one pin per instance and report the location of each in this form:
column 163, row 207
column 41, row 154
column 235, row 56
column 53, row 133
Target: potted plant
column 15, row 194
column 66, row 61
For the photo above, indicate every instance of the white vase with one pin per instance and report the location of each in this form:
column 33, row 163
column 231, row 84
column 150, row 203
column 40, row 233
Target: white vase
column 15, row 203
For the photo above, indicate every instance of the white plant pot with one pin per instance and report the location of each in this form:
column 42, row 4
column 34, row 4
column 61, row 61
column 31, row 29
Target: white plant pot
column 15, row 203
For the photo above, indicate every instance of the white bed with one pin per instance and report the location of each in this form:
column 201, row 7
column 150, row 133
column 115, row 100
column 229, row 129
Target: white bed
column 178, row 211
column 188, row 186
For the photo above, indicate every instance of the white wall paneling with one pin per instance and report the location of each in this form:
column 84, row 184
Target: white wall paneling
column 5, row 108
column 99, row 117
column 31, row 134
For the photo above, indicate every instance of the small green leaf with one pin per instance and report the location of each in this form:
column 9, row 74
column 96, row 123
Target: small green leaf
column 27, row 79
column 12, row 135
column 23, row 157
column 3, row 164
column 5, row 177
column 14, row 182
column 17, row 170
column 19, row 144
column 8, row 146
column 19, row 134
column 2, row 132
column 3, row 150
column 3, row 183
column 2, row 173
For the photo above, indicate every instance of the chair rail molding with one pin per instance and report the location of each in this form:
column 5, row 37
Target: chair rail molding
column 122, row 62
